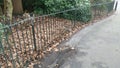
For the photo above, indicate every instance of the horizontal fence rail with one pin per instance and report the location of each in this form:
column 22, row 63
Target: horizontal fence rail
column 25, row 42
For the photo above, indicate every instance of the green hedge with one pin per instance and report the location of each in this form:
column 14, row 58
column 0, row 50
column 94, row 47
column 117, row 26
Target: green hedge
column 51, row 6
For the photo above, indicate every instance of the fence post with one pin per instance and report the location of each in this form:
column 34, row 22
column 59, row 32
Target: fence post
column 2, row 50
column 116, row 5
column 9, row 46
column 33, row 31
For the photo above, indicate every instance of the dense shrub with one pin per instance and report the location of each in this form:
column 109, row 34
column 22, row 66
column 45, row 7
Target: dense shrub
column 84, row 14
column 81, row 14
column 100, row 1
column 28, row 5
column 106, row 5
column 50, row 6
column 44, row 6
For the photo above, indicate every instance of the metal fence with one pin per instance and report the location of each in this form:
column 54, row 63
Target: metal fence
column 25, row 42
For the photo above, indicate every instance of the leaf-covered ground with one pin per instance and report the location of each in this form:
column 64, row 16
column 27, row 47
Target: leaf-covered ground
column 48, row 31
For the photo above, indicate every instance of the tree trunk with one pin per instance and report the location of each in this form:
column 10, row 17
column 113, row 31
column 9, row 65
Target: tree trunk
column 8, row 8
column 17, row 7
column 1, row 13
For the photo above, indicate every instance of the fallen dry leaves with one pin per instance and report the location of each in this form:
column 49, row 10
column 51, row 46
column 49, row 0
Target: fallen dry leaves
column 49, row 32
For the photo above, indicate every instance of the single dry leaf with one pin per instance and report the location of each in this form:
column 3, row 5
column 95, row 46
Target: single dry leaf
column 10, row 64
column 56, row 49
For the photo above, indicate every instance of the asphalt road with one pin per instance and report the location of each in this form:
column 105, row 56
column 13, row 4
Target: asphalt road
column 98, row 45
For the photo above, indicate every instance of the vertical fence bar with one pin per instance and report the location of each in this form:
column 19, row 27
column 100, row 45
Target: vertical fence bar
column 55, row 29
column 116, row 5
column 33, row 31
column 2, row 48
column 28, row 46
column 15, row 45
column 9, row 46
column 43, row 33
column 24, row 50
column 37, row 41
column 18, row 36
column 92, row 14
column 40, row 33
column 74, row 19
column 47, row 30
column 50, row 29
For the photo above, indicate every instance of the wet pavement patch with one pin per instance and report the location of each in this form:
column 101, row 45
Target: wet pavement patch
column 55, row 59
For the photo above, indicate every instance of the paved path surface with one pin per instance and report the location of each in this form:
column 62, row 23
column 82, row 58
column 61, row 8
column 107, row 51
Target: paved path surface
column 98, row 45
